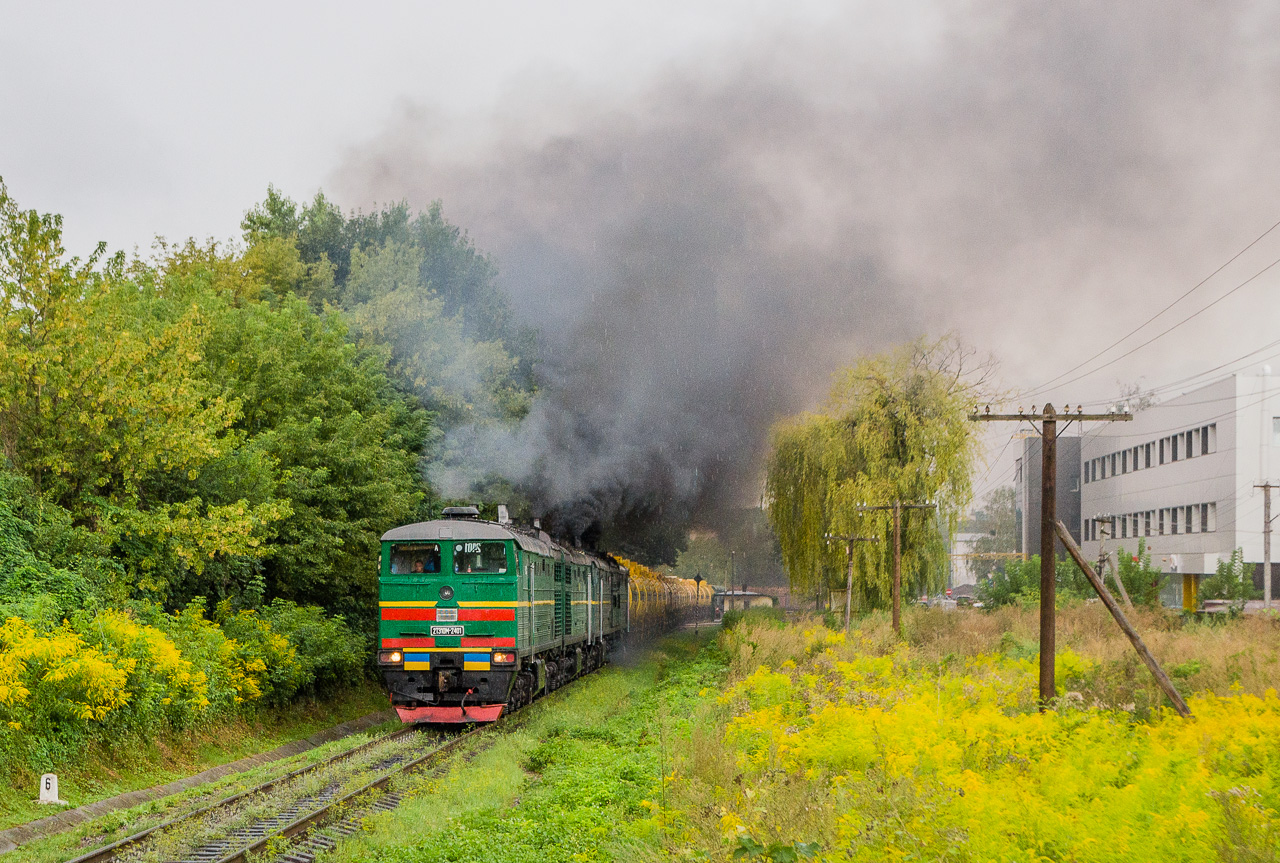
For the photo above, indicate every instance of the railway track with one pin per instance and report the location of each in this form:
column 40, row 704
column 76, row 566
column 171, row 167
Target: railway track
column 294, row 826
column 296, row 815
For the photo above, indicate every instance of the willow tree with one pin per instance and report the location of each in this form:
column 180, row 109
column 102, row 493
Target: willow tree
column 895, row 427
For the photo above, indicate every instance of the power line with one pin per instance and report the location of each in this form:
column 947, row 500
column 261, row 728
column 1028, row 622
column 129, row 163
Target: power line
column 1188, row 293
column 1162, row 333
column 1162, row 388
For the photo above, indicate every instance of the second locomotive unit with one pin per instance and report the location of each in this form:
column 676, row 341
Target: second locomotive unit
column 478, row 616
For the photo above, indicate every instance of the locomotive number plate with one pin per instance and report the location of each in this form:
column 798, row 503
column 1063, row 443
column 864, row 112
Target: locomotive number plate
column 446, row 630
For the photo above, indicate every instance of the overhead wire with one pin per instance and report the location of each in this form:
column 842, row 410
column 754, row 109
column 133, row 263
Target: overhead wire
column 1162, row 333
column 1164, row 388
column 1151, row 319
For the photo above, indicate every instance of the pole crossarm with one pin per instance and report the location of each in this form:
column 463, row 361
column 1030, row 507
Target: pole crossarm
column 1065, row 417
column 990, row 555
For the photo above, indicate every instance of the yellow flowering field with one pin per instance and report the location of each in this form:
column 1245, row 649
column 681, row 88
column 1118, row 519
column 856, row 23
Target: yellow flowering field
column 854, row 749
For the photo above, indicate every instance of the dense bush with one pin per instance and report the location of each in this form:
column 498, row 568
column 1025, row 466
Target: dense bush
column 1232, row 581
column 115, row 676
column 1017, row 582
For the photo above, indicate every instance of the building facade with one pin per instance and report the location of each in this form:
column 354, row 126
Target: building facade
column 1066, row 501
column 1181, row 476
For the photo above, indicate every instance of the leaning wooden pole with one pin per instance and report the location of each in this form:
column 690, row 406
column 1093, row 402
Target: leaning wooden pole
column 1162, row 679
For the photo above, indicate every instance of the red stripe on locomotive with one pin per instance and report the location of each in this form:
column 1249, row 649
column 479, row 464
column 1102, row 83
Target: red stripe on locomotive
column 408, row 614
column 486, row 614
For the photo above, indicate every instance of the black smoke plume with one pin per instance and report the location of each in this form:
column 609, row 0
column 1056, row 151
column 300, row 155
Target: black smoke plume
column 701, row 256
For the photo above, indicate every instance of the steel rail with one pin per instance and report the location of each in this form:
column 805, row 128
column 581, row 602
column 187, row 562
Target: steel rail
column 301, row 825
column 109, row 852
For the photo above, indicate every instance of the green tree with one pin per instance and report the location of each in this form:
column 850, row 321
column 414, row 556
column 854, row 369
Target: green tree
column 894, row 428
column 323, row 429
column 91, row 420
column 705, row 556
column 1233, row 581
column 1141, row 579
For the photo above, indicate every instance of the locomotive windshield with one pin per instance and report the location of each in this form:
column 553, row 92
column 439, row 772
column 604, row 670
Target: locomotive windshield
column 409, row 558
column 480, row 557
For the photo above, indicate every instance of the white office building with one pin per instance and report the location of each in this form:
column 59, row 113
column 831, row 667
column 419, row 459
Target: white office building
column 1182, row 476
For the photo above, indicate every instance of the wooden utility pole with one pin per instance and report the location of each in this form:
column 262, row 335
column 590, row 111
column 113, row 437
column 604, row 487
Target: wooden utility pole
column 848, row 586
column 1048, row 420
column 897, row 507
column 729, row 596
column 1266, row 542
column 1162, row 679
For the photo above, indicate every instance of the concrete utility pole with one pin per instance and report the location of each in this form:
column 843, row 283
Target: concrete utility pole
column 1104, row 559
column 897, row 506
column 1266, row 542
column 1048, row 518
column 848, row 587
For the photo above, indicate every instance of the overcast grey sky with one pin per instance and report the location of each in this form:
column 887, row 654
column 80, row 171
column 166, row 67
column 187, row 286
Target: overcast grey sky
column 138, row 119
column 1037, row 179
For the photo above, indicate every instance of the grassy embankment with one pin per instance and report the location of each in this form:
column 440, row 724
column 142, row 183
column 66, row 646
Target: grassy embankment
column 106, row 771
column 578, row 780
column 780, row 742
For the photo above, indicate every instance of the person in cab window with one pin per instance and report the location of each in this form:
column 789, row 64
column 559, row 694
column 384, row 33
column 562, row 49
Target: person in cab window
column 417, row 566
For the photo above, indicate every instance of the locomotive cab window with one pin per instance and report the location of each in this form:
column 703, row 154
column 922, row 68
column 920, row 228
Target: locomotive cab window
column 488, row 557
column 410, row 558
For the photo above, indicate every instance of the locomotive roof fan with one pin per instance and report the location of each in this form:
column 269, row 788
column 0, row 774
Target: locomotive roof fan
column 461, row 512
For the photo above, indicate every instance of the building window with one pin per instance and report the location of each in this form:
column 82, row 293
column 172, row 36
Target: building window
column 1213, row 517
column 1146, row 523
column 1160, row 525
column 1124, row 527
column 1124, row 462
column 1204, row 518
column 1173, row 447
column 1204, row 440
column 1213, row 437
column 1191, row 450
column 1191, row 519
column 1147, row 461
column 1173, row 520
column 1162, row 442
column 1135, row 457
column 1114, row 465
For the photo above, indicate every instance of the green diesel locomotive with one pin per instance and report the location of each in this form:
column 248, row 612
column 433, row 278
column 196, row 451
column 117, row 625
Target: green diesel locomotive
column 477, row 616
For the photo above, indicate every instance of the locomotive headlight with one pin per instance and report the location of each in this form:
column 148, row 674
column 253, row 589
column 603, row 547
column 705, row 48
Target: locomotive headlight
column 446, row 593
column 390, row 657
column 503, row 657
